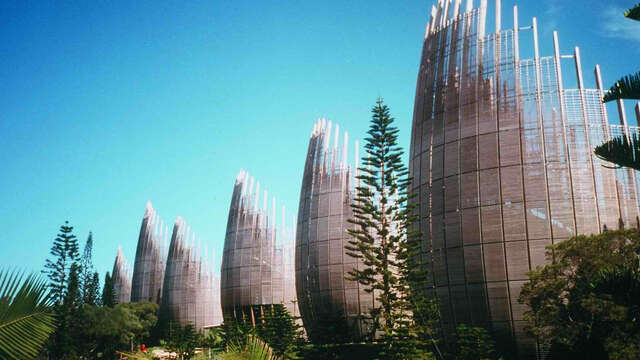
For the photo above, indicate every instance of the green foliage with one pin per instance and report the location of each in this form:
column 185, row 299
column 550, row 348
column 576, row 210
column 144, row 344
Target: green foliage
column 474, row 343
column 90, row 283
column 277, row 327
column 26, row 318
column 584, row 303
column 69, row 317
column 620, row 152
column 73, row 297
column 104, row 331
column 330, row 327
column 214, row 338
column 63, row 272
column 633, row 13
column 108, row 292
column 340, row 351
column 253, row 349
column 617, row 289
column 183, row 340
column 65, row 252
column 384, row 242
column 91, row 290
column 147, row 315
column 627, row 87
column 234, row 334
column 257, row 349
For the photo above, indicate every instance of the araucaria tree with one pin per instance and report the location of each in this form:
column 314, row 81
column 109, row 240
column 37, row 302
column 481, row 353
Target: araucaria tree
column 623, row 151
column 108, row 292
column 89, row 280
column 383, row 241
column 65, row 254
column 63, row 272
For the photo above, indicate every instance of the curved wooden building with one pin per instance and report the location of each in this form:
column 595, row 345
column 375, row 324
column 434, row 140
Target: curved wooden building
column 256, row 263
column 321, row 264
column 121, row 276
column 502, row 159
column 148, row 268
column 190, row 293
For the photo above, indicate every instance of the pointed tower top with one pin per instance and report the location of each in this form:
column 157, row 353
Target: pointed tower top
column 148, row 209
column 241, row 176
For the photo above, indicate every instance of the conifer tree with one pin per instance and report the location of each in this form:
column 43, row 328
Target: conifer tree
column 627, row 87
column 108, row 292
column 65, row 253
column 623, row 151
column 91, row 290
column 384, row 242
column 73, row 296
column 65, row 344
column 278, row 328
column 86, row 278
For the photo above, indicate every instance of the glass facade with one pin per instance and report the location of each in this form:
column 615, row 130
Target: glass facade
column 502, row 160
column 257, row 259
column 148, row 268
column 321, row 261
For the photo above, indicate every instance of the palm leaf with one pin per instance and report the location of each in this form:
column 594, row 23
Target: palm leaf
column 619, row 152
column 626, row 88
column 633, row 13
column 25, row 318
column 259, row 350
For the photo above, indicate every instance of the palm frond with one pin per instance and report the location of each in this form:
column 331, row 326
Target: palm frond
column 25, row 318
column 626, row 88
column 633, row 13
column 620, row 152
column 259, row 350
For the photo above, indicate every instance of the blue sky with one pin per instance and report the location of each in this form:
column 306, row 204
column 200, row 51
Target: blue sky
column 108, row 104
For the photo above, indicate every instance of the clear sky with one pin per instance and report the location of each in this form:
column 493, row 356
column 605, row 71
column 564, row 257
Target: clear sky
column 108, row 104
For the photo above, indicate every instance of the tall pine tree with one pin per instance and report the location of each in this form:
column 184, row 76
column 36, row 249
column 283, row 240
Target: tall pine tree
column 65, row 342
column 384, row 242
column 92, row 290
column 63, row 271
column 88, row 286
column 108, row 292
column 65, row 253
